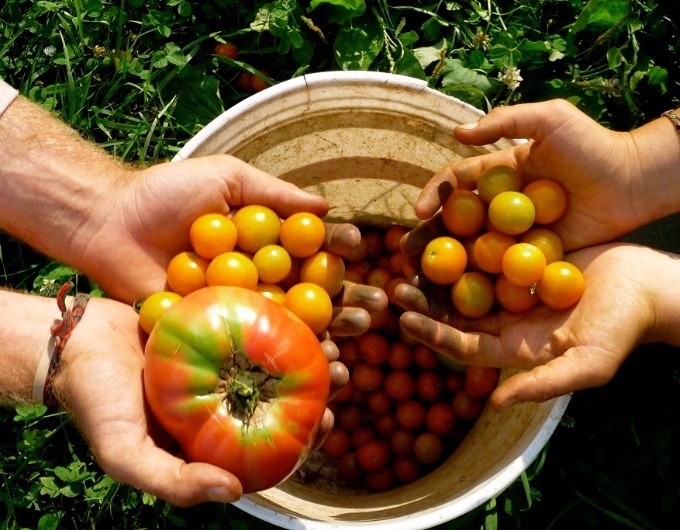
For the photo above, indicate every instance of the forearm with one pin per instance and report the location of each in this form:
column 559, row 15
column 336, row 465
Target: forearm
column 55, row 185
column 657, row 148
column 25, row 322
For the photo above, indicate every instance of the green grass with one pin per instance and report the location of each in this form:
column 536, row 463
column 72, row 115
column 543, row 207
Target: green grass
column 140, row 78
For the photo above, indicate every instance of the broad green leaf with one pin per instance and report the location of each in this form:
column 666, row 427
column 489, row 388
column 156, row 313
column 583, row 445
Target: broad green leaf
column 340, row 11
column 429, row 54
column 49, row 521
column 358, row 44
column 409, row 65
column 600, row 15
column 658, row 76
column 198, row 99
column 503, row 57
column 468, row 85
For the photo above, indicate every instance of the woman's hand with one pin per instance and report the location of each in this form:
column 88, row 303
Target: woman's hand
column 615, row 181
column 630, row 298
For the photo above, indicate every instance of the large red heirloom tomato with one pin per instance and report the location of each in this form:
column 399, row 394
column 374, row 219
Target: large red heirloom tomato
column 239, row 382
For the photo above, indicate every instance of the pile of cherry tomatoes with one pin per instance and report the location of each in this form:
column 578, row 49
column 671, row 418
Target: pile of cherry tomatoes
column 405, row 408
column 500, row 251
column 256, row 250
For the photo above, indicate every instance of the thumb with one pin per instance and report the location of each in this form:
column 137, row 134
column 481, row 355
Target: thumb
column 562, row 375
column 173, row 480
column 526, row 120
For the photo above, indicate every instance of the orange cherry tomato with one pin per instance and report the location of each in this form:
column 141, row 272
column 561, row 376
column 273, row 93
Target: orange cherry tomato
column 212, row 234
column 561, row 286
column 511, row 212
column 256, row 226
column 473, row 294
column 497, row 179
column 463, row 213
column 489, row 248
column 271, row 291
column 325, row 269
column 547, row 240
column 273, row 263
column 311, row 304
column 302, row 234
column 512, row 297
column 443, row 261
column 186, row 273
column 549, row 199
column 523, row 264
column 154, row 306
column 233, row 269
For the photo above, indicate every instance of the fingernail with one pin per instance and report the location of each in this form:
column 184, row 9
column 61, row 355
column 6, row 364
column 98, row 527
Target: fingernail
column 468, row 126
column 218, row 494
column 509, row 403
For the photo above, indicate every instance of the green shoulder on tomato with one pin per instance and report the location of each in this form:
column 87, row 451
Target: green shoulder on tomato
column 239, row 382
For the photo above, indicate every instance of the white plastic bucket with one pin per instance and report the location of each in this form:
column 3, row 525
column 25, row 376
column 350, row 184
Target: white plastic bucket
column 368, row 142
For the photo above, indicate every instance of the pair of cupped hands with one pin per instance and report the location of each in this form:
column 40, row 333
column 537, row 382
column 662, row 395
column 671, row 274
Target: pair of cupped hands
column 146, row 220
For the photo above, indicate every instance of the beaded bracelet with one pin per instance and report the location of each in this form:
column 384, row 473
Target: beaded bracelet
column 674, row 117
column 60, row 333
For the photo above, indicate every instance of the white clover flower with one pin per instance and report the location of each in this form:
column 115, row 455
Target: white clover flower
column 481, row 40
column 49, row 51
column 511, row 78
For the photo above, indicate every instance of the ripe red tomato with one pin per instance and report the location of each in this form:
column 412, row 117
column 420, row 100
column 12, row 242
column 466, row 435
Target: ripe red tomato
column 379, row 402
column 480, row 381
column 399, row 385
column 367, row 377
column 440, row 418
column 257, row 84
column 349, row 417
column 349, row 468
column 361, row 436
column 401, row 442
column 227, row 49
column 239, row 382
column 379, row 480
column 428, row 448
column 373, row 454
column 406, row 468
column 466, row 406
column 410, row 414
column 429, row 386
column 337, row 443
column 374, row 347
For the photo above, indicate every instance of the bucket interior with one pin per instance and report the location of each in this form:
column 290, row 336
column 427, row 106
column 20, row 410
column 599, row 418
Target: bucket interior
column 368, row 142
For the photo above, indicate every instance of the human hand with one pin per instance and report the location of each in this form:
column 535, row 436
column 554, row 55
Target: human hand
column 629, row 300
column 148, row 221
column 100, row 385
column 601, row 170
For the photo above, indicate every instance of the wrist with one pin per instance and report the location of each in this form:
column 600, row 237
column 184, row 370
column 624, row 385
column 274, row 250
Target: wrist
column 25, row 322
column 657, row 155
